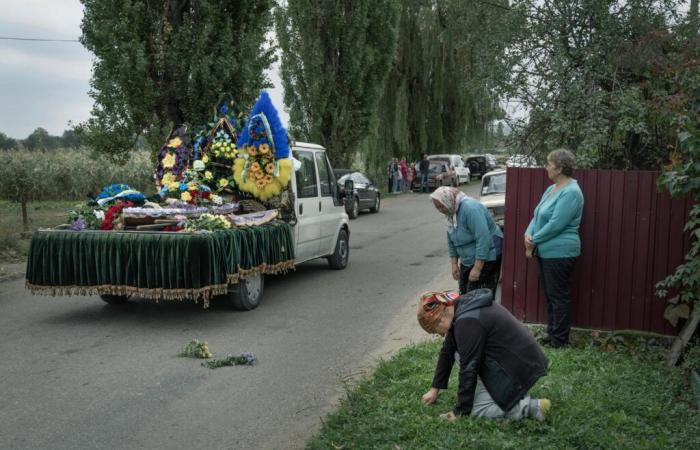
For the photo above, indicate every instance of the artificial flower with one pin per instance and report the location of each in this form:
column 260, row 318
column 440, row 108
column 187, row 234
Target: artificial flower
column 217, row 199
column 270, row 168
column 260, row 183
column 183, row 186
column 169, row 161
column 192, row 186
column 208, row 175
column 267, row 179
column 168, row 178
column 251, row 150
column 255, row 167
column 205, row 159
column 223, row 182
column 259, row 175
column 264, row 149
column 198, row 165
column 175, row 142
column 185, row 197
column 174, row 186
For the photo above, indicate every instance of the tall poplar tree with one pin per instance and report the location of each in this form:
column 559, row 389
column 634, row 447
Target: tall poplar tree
column 161, row 63
column 336, row 54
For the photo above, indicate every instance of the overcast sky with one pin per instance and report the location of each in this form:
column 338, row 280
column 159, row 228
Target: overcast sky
column 45, row 84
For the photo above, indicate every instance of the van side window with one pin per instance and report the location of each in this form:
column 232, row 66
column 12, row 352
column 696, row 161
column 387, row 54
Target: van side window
column 325, row 175
column 306, row 176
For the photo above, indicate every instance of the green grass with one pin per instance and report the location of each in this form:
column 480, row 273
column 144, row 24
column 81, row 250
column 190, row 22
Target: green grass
column 599, row 400
column 14, row 242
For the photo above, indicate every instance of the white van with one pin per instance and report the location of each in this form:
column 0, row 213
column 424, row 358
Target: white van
column 457, row 165
column 322, row 229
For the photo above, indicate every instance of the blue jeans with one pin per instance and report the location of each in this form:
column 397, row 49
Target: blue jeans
column 424, row 182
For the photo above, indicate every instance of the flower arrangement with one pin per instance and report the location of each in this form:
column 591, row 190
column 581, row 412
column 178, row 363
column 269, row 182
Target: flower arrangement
column 114, row 192
column 196, row 349
column 244, row 359
column 113, row 215
column 85, row 217
column 208, row 222
column 222, row 145
column 265, row 169
column 173, row 158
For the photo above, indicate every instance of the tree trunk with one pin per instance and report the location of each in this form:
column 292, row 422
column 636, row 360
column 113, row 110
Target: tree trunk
column 683, row 337
column 25, row 218
column 693, row 21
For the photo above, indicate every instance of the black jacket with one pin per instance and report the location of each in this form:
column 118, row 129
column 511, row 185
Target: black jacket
column 492, row 344
column 424, row 166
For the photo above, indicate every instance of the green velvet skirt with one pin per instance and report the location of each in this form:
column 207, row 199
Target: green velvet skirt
column 155, row 265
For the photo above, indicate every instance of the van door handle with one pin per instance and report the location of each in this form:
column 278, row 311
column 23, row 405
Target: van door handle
column 301, row 209
column 319, row 206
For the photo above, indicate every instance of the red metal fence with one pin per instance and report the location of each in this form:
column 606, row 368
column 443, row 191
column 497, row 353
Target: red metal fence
column 631, row 238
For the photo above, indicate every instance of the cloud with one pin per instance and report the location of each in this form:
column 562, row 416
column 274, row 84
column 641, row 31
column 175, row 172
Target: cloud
column 53, row 19
column 74, row 69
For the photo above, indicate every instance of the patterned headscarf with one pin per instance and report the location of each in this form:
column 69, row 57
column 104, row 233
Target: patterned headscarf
column 432, row 306
column 450, row 198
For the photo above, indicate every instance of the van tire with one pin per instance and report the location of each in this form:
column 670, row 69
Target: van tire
column 377, row 202
column 114, row 299
column 247, row 293
column 339, row 259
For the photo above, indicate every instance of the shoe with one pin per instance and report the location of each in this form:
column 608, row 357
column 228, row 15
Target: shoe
column 543, row 407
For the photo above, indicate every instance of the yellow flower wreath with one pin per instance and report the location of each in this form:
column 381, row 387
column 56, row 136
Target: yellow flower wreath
column 266, row 191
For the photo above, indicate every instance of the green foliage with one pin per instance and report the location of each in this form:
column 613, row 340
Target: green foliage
column 160, row 64
column 335, row 58
column 439, row 95
column 683, row 179
column 68, row 174
column 599, row 400
column 598, row 77
column 6, row 142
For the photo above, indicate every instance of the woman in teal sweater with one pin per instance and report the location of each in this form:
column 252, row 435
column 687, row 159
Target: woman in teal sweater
column 553, row 237
column 473, row 240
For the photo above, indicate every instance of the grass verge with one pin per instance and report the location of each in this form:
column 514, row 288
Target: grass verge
column 599, row 400
column 14, row 242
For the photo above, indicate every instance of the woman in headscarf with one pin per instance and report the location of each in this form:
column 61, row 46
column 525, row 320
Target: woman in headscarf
column 473, row 239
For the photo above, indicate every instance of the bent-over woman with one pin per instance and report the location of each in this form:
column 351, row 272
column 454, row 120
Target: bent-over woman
column 473, row 240
column 553, row 238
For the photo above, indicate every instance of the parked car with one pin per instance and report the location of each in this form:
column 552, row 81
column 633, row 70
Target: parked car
column 493, row 194
column 456, row 163
column 521, row 161
column 340, row 172
column 364, row 194
column 479, row 165
column 439, row 174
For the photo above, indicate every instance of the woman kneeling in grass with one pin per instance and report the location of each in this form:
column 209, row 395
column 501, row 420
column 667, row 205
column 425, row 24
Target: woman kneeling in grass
column 499, row 359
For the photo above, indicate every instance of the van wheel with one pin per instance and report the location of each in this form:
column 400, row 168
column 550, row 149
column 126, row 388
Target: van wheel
column 247, row 294
column 354, row 208
column 114, row 299
column 339, row 259
column 375, row 208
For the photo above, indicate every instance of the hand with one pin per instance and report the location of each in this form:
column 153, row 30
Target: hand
column 455, row 272
column 430, row 397
column 448, row 416
column 474, row 274
column 528, row 241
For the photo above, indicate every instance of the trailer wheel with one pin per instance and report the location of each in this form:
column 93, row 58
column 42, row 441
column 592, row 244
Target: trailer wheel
column 247, row 293
column 114, row 299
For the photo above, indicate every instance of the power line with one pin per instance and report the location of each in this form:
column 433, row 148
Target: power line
column 8, row 38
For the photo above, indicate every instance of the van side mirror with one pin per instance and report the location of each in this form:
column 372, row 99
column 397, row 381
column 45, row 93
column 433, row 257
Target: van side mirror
column 349, row 186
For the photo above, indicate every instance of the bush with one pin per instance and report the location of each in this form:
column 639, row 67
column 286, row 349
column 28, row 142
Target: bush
column 68, row 174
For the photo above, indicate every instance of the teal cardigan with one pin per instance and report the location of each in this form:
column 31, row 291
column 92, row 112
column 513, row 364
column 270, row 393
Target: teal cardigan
column 554, row 227
column 473, row 237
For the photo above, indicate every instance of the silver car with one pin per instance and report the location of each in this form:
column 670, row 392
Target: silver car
column 493, row 194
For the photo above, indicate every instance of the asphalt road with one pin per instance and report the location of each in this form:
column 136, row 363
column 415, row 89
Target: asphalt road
column 77, row 373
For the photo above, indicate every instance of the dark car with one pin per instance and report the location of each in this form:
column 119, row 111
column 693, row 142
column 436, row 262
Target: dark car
column 340, row 172
column 365, row 194
column 479, row 165
column 439, row 174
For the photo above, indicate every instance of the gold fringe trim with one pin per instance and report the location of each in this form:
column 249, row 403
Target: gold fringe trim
column 205, row 293
column 264, row 268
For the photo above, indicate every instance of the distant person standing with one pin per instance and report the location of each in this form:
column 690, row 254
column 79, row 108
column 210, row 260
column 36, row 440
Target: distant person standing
column 552, row 237
column 410, row 176
column 403, row 169
column 424, row 168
